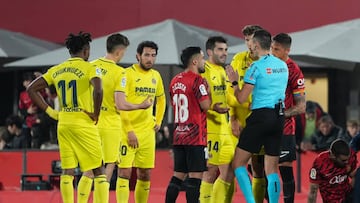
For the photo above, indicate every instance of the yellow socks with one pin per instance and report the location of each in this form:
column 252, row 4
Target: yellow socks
column 205, row 192
column 220, row 189
column 66, row 188
column 101, row 189
column 84, row 189
column 142, row 190
column 230, row 193
column 122, row 190
column 259, row 189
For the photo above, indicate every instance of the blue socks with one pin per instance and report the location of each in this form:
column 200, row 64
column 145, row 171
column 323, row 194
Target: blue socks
column 244, row 182
column 273, row 187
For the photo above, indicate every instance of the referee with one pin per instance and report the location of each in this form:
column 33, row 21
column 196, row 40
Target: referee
column 266, row 79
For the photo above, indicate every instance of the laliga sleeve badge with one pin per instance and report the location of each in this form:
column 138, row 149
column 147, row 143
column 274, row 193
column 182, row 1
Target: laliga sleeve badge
column 202, row 89
column 313, row 173
column 98, row 71
column 123, row 82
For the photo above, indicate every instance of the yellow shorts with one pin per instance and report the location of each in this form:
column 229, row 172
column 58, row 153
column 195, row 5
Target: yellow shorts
column 79, row 146
column 110, row 139
column 221, row 149
column 141, row 157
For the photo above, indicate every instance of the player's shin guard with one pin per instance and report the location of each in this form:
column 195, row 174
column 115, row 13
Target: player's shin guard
column 66, row 188
column 287, row 177
column 84, row 189
column 142, row 190
column 101, row 189
column 205, row 192
column 173, row 189
column 193, row 190
column 259, row 189
column 230, row 193
column 273, row 187
column 220, row 190
column 122, row 190
column 244, row 182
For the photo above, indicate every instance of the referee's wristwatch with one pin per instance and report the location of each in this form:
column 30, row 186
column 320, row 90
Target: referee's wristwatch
column 234, row 83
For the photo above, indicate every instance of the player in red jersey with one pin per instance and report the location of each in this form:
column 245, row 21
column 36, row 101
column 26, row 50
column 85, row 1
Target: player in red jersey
column 330, row 173
column 190, row 101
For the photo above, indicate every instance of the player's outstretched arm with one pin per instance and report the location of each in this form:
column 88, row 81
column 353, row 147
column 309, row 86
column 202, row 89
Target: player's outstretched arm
column 122, row 104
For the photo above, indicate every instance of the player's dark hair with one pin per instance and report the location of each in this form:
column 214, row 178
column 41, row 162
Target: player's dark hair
column 210, row 43
column 115, row 40
column 149, row 44
column 14, row 120
column 339, row 147
column 188, row 54
column 264, row 39
column 283, row 39
column 250, row 29
column 76, row 43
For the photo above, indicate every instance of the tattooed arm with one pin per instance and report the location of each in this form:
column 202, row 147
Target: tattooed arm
column 313, row 193
column 299, row 108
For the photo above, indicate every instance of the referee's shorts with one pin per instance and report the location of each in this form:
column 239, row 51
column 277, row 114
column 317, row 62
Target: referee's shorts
column 264, row 127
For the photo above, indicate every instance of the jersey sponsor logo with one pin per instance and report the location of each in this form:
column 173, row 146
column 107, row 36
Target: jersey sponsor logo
column 219, row 87
column 313, row 173
column 182, row 128
column 268, row 70
column 338, row 179
column 71, row 109
column 202, row 89
column 144, row 89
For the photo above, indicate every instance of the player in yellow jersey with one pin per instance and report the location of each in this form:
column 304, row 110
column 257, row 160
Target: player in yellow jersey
column 79, row 89
column 109, row 124
column 139, row 126
column 239, row 112
column 220, row 145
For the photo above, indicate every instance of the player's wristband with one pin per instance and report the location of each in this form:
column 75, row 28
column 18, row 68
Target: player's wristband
column 52, row 113
column 234, row 83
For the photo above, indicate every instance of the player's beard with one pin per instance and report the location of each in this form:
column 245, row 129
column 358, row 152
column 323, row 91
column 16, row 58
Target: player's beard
column 146, row 67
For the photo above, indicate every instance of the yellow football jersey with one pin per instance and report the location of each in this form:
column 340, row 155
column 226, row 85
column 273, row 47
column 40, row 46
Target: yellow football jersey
column 240, row 62
column 216, row 77
column 111, row 75
column 72, row 82
column 138, row 84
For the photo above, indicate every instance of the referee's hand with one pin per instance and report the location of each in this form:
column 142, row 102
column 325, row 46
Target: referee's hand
column 132, row 140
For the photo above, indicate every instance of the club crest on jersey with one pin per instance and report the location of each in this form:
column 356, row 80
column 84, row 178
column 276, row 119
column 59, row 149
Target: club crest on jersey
column 153, row 81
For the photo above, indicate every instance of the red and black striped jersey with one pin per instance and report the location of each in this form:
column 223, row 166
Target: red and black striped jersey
column 187, row 90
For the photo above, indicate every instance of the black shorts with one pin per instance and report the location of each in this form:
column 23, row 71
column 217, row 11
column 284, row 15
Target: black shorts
column 288, row 149
column 189, row 158
column 264, row 127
